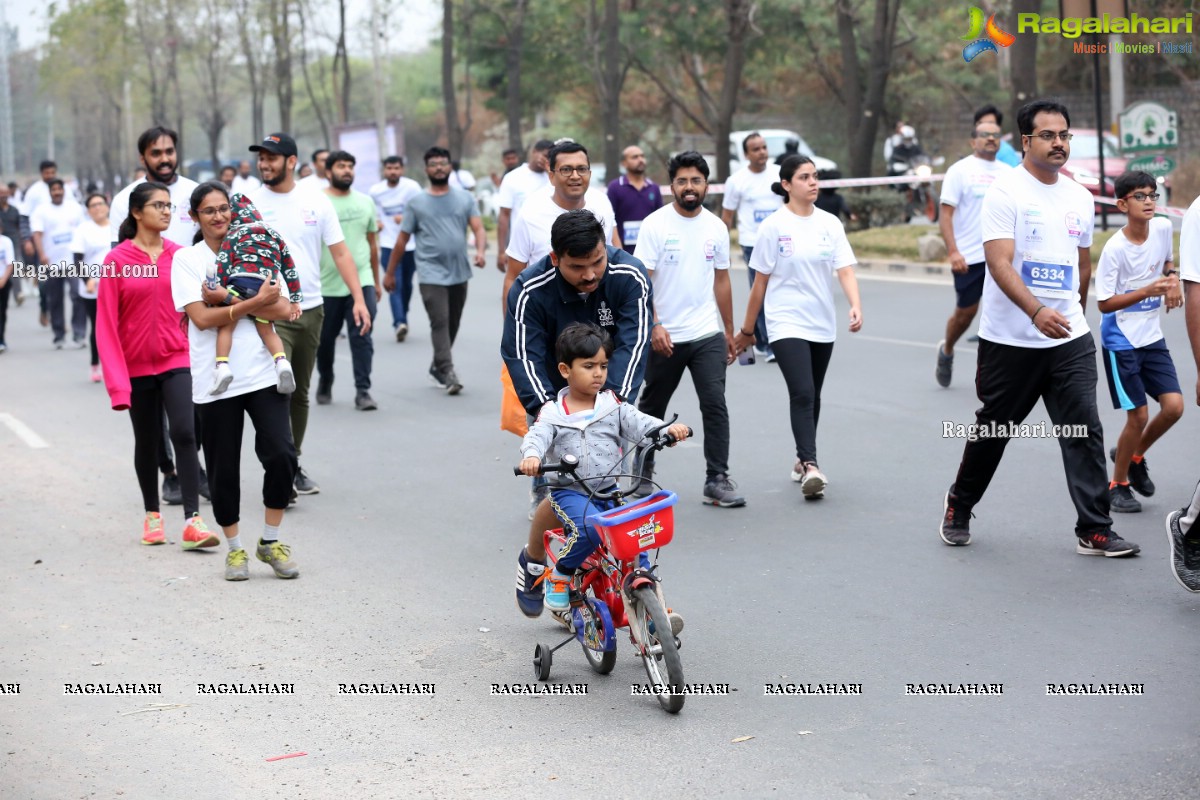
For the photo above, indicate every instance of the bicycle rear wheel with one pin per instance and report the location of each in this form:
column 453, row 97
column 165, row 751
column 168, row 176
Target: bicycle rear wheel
column 659, row 655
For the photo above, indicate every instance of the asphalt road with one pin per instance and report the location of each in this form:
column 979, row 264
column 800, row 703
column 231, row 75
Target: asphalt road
column 407, row 563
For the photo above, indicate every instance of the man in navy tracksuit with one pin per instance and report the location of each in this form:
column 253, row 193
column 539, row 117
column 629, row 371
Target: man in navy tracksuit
column 582, row 280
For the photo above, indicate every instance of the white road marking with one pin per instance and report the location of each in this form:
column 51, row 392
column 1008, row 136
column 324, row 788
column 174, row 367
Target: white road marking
column 907, row 342
column 23, row 431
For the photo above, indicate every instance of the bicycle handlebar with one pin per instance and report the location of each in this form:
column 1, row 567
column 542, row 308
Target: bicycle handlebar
column 657, row 442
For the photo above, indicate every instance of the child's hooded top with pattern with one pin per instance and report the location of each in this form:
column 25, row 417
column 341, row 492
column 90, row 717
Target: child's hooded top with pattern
column 252, row 247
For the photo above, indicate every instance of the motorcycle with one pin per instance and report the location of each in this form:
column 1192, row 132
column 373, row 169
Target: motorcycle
column 922, row 197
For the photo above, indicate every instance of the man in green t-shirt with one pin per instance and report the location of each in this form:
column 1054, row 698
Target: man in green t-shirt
column 356, row 213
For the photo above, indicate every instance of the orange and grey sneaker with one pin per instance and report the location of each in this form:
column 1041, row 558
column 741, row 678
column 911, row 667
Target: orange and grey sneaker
column 196, row 534
column 152, row 529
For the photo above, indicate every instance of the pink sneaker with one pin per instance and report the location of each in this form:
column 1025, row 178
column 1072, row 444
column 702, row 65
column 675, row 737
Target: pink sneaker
column 96, row 374
column 152, row 529
column 196, row 534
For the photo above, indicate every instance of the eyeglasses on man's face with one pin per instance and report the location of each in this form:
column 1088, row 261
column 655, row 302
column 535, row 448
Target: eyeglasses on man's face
column 683, row 183
column 987, row 134
column 565, row 172
column 1049, row 136
column 437, row 162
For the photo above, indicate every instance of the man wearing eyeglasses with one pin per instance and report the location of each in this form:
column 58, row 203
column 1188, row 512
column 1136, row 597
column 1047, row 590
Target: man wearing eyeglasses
column 570, row 182
column 157, row 153
column 967, row 181
column 1034, row 341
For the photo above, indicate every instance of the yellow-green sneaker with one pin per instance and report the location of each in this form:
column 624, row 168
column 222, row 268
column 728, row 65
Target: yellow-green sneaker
column 237, row 567
column 279, row 556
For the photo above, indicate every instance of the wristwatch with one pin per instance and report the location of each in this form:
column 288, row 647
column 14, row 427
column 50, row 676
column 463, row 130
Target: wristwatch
column 1171, row 272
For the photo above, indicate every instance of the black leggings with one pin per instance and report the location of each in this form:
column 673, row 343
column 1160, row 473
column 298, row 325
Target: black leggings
column 224, row 421
column 803, row 364
column 173, row 391
column 89, row 304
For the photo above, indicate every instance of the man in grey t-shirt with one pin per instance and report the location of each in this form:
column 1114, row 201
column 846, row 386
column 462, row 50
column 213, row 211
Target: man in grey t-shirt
column 438, row 219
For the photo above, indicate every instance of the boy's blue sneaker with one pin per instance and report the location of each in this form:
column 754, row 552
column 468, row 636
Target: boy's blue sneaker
column 558, row 591
column 529, row 585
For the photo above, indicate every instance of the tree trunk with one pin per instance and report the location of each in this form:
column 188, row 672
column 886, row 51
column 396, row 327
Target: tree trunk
column 341, row 68
column 516, row 37
column 864, row 95
column 454, row 131
column 614, row 80
column 1023, row 57
column 281, row 34
column 737, row 17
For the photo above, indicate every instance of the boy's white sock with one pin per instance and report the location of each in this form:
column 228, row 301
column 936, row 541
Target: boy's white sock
column 234, row 542
column 270, row 534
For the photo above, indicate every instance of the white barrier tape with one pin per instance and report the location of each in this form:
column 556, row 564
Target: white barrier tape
column 1166, row 211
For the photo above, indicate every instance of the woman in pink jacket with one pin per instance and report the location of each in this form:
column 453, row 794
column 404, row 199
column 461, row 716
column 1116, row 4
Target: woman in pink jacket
column 144, row 352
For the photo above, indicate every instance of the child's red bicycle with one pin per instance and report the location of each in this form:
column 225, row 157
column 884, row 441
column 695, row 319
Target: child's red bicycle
column 612, row 590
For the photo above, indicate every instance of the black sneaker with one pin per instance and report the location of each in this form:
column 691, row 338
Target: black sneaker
column 956, row 524
column 1185, row 552
column 945, row 365
column 305, row 484
column 1107, row 543
column 324, row 392
column 363, row 401
column 1139, row 475
column 530, row 591
column 204, row 485
column 1121, row 500
column 453, row 384
column 438, row 380
column 172, row 494
column 719, row 490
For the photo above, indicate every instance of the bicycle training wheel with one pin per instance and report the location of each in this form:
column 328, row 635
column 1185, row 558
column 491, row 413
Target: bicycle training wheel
column 660, row 656
column 598, row 638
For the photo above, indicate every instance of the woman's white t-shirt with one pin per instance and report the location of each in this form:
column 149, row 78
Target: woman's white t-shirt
column 94, row 242
column 253, row 367
column 800, row 254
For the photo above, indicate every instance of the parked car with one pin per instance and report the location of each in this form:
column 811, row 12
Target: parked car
column 776, row 141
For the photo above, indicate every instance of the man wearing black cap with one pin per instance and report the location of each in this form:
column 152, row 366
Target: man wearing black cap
column 305, row 219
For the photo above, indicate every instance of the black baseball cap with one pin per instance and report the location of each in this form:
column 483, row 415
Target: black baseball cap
column 279, row 143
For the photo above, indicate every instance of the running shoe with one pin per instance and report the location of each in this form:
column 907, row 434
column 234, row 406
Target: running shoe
column 364, row 402
column 222, row 377
column 324, row 391
column 720, row 491
column 955, row 529
column 236, row 566
column 152, row 529
column 95, row 375
column 453, row 384
column 812, row 481
column 945, row 365
column 197, row 535
column 279, row 556
column 1185, row 552
column 1107, row 543
column 285, row 378
column 401, row 332
column 305, row 484
column 3, row 347
column 530, row 576
column 1121, row 500
column 78, row 344
column 558, row 591
column 438, row 380
column 172, row 495
column 1139, row 475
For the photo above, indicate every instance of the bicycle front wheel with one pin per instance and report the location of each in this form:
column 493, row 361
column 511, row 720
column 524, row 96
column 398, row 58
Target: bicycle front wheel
column 659, row 654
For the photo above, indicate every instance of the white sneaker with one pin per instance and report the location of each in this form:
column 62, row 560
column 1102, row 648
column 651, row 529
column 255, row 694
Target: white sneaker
column 285, row 379
column 814, row 483
column 222, row 377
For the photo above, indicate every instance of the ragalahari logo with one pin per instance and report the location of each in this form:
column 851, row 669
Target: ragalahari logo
column 984, row 37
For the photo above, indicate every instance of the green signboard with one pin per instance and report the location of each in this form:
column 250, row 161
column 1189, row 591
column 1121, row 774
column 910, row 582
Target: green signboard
column 1148, row 127
column 1155, row 165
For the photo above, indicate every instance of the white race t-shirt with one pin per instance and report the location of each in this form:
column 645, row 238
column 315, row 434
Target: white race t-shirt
column 390, row 201
column 1125, row 267
column 530, row 238
column 305, row 219
column 251, row 364
column 800, row 254
column 93, row 242
column 967, row 181
column 682, row 254
column 7, row 256
column 1048, row 225
column 518, row 186
column 182, row 229
column 57, row 224
column 749, row 193
column 244, row 185
column 312, row 182
column 1189, row 244
column 462, row 179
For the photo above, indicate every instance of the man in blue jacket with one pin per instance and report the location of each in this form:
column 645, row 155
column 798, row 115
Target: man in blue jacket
column 582, row 280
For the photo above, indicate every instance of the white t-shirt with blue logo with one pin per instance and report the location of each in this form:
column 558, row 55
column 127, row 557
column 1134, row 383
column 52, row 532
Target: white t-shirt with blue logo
column 800, row 254
column 1048, row 224
column 967, row 181
column 1125, row 267
column 749, row 194
column 683, row 253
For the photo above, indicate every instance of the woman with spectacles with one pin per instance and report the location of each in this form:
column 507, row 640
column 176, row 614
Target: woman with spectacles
column 144, row 351
column 89, row 244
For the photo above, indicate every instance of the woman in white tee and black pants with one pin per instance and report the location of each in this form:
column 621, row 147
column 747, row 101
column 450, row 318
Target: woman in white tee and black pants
column 253, row 390
column 799, row 250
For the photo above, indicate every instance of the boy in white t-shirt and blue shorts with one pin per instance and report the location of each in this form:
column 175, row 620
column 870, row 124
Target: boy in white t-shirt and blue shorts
column 1135, row 273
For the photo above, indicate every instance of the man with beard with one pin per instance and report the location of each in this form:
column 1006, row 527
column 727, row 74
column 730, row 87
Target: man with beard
column 519, row 185
column 1034, row 342
column 438, row 219
column 633, row 196
column 356, row 213
column 156, row 151
column 570, row 177
column 305, row 219
column 685, row 248
column 391, row 195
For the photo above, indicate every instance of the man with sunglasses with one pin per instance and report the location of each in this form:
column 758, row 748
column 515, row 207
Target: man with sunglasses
column 967, row 181
column 1034, row 341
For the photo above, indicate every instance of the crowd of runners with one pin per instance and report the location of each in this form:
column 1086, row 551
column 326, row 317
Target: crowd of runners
column 205, row 303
